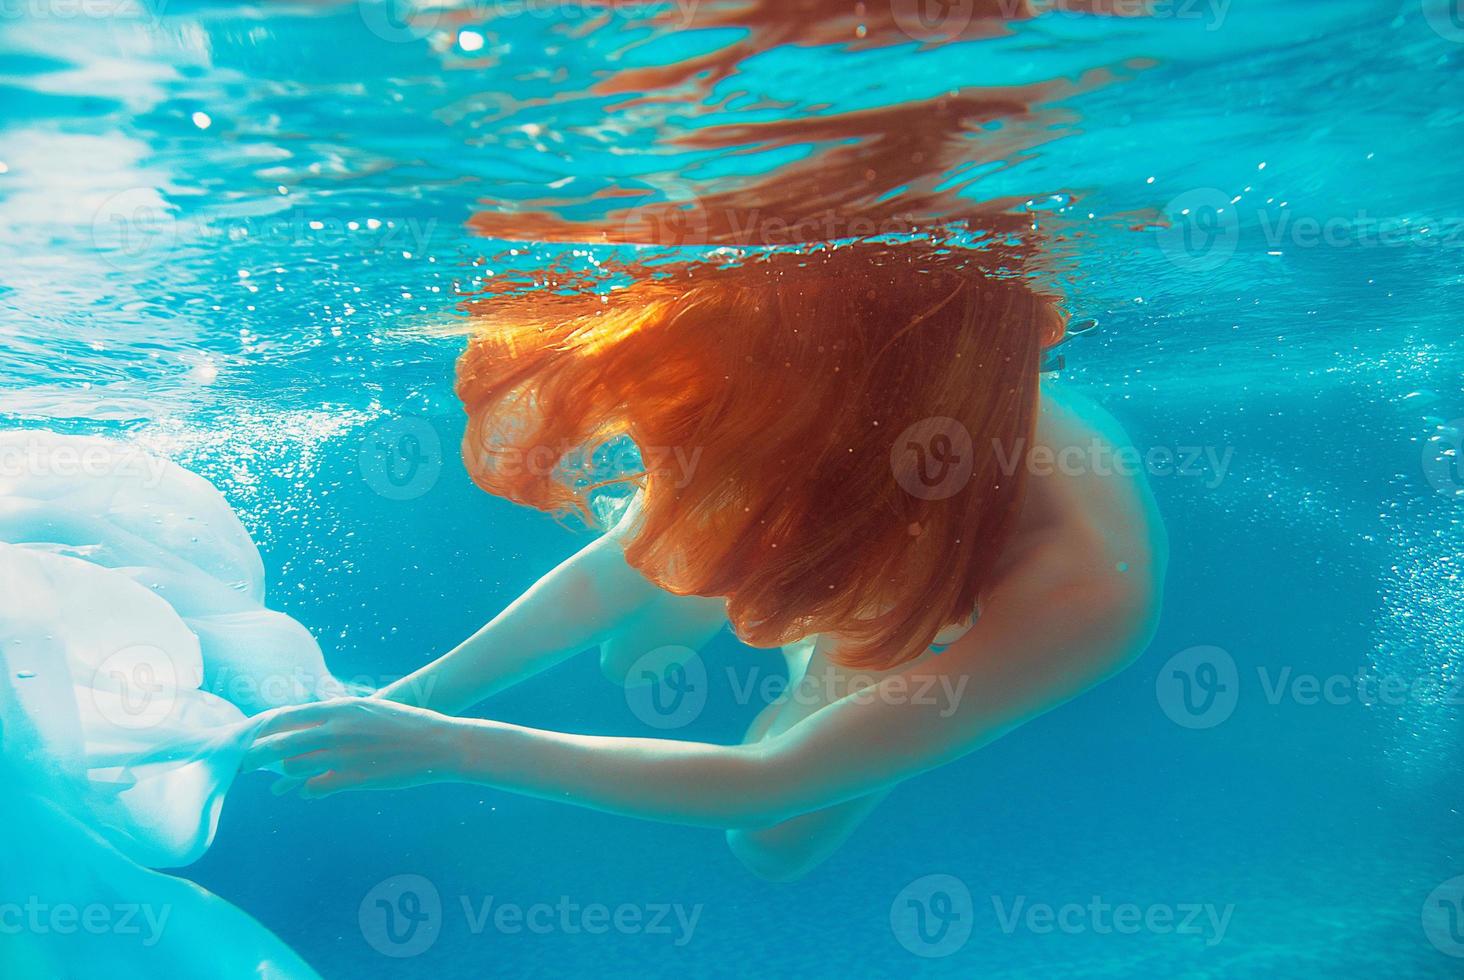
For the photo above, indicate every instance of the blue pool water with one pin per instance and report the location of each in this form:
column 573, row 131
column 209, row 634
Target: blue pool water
column 233, row 233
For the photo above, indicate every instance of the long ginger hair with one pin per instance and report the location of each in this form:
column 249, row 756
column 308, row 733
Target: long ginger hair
column 766, row 398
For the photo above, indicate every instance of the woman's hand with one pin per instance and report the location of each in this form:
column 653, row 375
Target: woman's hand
column 355, row 743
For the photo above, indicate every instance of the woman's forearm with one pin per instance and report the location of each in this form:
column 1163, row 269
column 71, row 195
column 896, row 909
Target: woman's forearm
column 672, row 781
column 577, row 605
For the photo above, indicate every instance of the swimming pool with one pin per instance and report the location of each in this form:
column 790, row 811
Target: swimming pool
column 232, row 235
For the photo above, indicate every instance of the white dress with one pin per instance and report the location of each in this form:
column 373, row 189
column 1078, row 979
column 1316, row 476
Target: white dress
column 134, row 650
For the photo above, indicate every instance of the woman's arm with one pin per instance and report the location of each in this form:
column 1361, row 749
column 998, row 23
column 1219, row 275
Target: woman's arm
column 592, row 597
column 1021, row 660
column 1046, row 639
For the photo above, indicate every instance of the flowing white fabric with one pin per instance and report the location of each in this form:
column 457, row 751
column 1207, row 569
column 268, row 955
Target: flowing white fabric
column 135, row 648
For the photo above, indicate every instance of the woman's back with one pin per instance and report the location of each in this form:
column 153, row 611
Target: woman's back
column 1087, row 496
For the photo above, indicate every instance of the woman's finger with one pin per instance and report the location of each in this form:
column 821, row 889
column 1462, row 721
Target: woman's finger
column 308, row 765
column 299, row 716
column 274, row 749
column 328, row 783
column 285, row 784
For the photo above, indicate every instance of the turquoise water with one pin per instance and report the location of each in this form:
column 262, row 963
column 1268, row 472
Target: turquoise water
column 229, row 233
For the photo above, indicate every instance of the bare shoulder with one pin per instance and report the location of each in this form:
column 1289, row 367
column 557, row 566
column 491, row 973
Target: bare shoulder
column 1071, row 592
column 1091, row 548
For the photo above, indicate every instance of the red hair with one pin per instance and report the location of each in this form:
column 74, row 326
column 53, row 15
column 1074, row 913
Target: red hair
column 785, row 382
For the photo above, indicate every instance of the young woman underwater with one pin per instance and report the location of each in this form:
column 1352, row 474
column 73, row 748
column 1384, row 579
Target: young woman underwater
column 868, row 426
